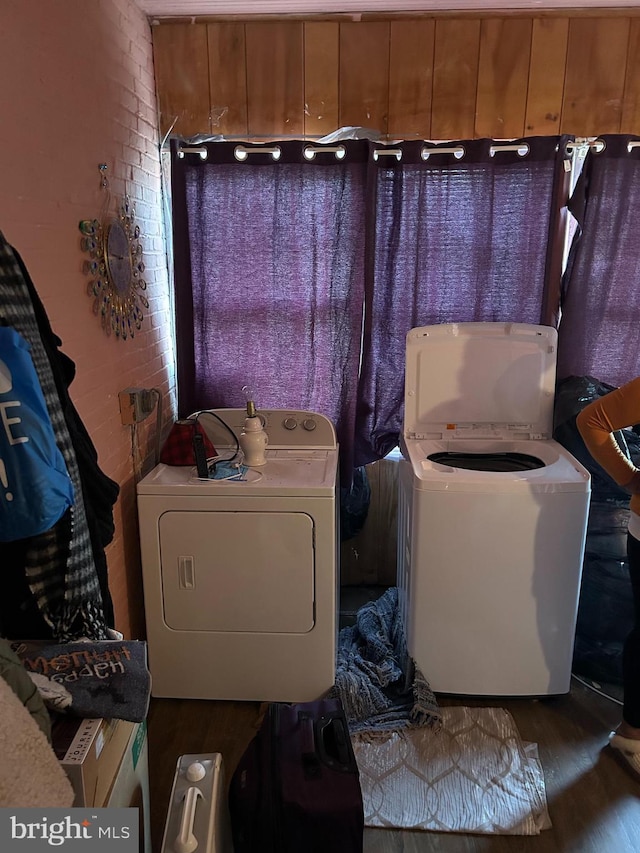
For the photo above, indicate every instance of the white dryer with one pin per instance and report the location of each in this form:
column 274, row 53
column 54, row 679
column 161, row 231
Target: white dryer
column 240, row 575
column 492, row 512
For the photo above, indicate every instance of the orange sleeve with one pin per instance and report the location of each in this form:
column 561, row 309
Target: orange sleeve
column 600, row 419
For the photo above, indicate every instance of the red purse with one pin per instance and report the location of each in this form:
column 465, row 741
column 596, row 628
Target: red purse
column 178, row 448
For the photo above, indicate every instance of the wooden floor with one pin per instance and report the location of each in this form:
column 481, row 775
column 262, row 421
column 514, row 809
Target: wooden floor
column 594, row 802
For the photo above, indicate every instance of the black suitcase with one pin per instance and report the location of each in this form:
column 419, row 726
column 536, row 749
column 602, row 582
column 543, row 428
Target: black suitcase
column 296, row 789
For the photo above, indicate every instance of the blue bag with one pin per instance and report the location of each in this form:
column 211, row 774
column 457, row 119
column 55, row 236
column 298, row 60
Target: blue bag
column 35, row 488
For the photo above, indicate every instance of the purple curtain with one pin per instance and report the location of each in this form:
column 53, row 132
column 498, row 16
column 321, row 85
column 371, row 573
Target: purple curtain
column 599, row 332
column 300, row 276
column 269, row 278
column 455, row 239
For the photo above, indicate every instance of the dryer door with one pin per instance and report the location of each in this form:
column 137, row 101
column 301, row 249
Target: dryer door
column 237, row 571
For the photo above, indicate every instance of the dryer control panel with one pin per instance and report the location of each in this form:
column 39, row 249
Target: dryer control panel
column 286, row 428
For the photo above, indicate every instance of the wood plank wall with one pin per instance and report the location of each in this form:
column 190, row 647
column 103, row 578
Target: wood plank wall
column 407, row 77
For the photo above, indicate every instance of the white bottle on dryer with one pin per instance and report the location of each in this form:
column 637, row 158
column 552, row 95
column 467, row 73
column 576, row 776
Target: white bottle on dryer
column 253, row 438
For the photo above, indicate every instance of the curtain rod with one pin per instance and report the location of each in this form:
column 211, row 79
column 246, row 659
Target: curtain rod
column 458, row 151
column 310, row 151
column 241, row 152
column 597, row 144
column 201, row 151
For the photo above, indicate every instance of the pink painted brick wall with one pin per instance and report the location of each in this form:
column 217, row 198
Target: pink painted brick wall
column 76, row 90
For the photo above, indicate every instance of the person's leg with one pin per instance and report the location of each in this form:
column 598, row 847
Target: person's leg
column 626, row 739
column 630, row 726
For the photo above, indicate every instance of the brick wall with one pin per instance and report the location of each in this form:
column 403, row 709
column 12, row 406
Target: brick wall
column 76, row 90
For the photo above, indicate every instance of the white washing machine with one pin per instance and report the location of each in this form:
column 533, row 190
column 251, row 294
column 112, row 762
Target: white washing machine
column 241, row 575
column 492, row 512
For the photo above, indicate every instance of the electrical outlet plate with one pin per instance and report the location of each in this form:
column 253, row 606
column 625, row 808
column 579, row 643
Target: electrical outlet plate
column 136, row 404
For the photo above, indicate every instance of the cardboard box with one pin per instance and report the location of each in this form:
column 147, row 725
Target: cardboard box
column 91, row 752
column 130, row 787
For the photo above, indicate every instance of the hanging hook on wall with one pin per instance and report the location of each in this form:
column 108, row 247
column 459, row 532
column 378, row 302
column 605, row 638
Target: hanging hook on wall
column 104, row 181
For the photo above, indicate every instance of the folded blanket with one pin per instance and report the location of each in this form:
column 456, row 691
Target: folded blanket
column 103, row 679
column 380, row 686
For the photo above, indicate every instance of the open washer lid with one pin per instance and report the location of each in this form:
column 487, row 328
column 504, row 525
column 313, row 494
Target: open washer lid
column 477, row 380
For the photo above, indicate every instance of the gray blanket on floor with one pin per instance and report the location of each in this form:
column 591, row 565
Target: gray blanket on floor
column 379, row 684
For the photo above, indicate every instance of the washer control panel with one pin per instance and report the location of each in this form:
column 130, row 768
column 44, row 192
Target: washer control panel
column 286, row 428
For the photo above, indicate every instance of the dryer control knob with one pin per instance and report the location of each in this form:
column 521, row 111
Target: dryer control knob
column 290, row 423
column 309, row 424
column 196, row 772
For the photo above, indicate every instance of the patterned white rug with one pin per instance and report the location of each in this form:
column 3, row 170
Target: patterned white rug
column 475, row 775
